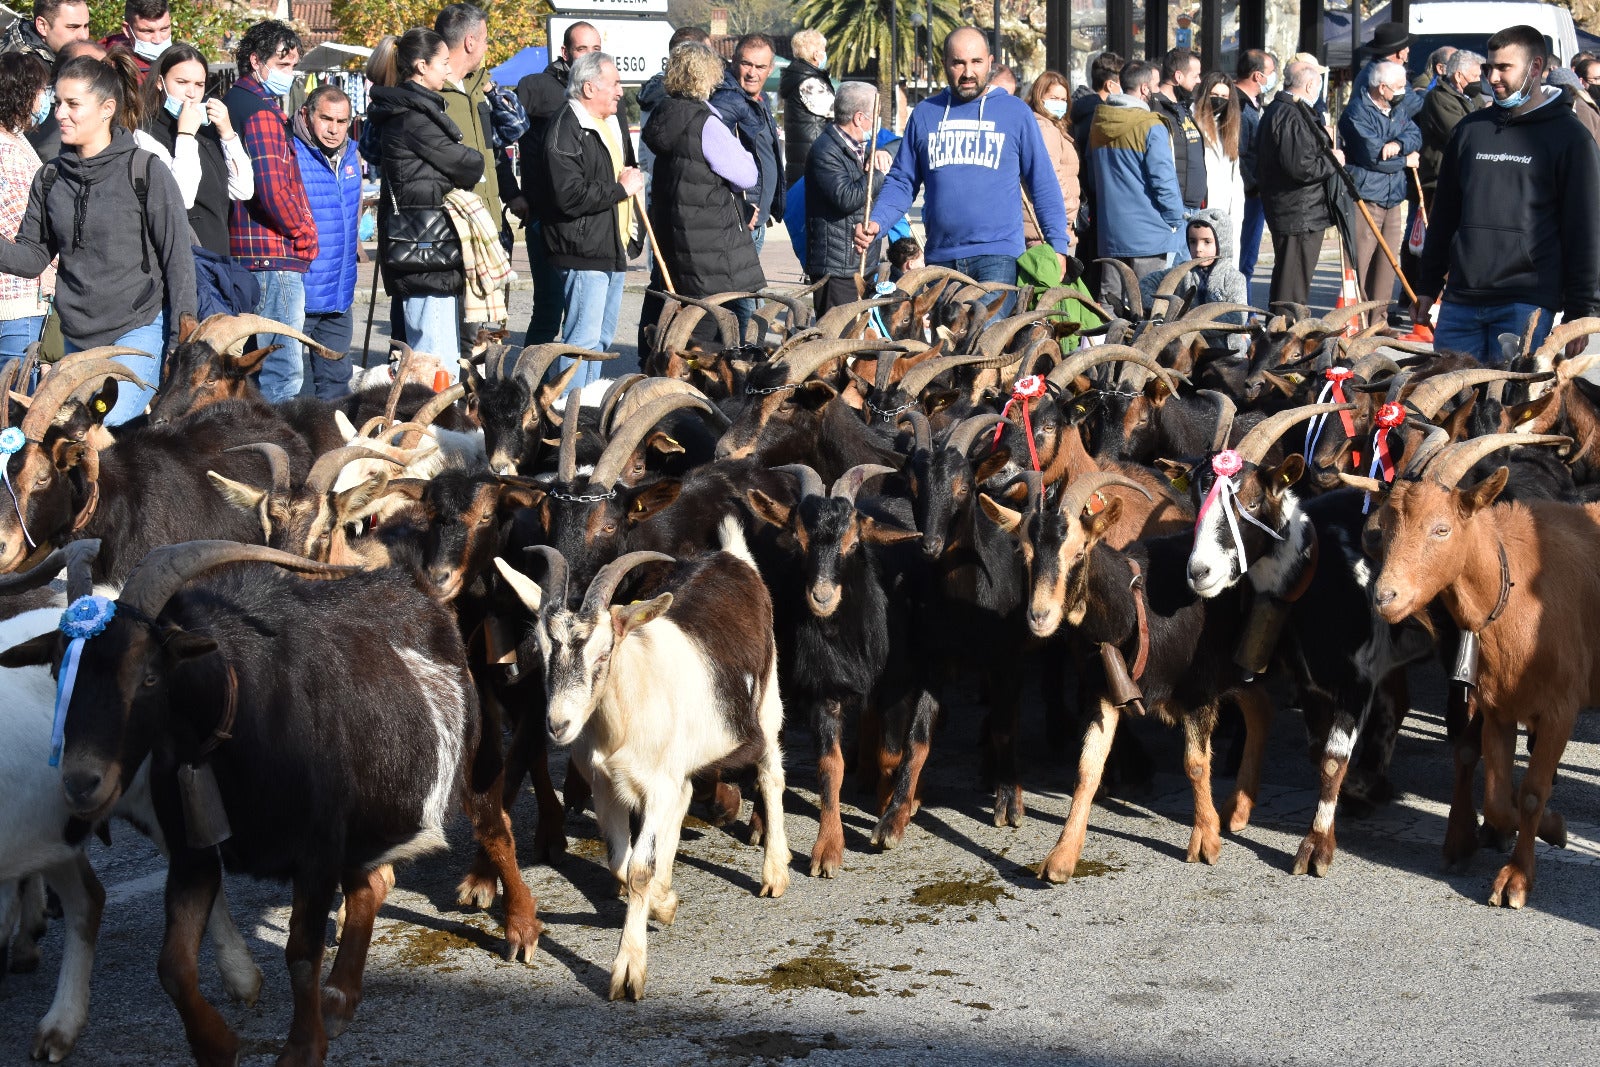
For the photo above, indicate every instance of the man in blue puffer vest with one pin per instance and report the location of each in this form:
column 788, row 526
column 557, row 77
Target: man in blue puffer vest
column 330, row 167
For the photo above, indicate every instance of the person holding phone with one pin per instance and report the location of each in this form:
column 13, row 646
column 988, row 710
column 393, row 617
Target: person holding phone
column 195, row 138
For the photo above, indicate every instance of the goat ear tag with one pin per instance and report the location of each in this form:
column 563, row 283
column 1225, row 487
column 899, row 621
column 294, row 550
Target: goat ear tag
column 1181, row 483
column 100, row 407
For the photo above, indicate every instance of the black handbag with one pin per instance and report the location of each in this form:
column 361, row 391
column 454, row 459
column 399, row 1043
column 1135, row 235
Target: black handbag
column 420, row 240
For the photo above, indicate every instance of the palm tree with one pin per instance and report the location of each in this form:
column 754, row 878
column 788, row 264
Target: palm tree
column 858, row 31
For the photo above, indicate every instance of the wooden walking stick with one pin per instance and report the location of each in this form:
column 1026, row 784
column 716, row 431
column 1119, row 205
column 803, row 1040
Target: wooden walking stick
column 372, row 300
column 655, row 246
column 1422, row 199
column 866, row 213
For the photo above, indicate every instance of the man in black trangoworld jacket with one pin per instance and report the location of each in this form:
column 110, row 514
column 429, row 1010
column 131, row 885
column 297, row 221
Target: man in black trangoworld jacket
column 1180, row 76
column 542, row 96
column 1513, row 216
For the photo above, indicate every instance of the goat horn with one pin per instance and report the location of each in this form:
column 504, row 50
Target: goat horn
column 1434, row 438
column 8, row 379
column 1065, row 371
column 997, row 335
column 1130, row 282
column 848, row 484
column 1167, row 290
column 1154, row 340
column 165, row 570
column 1563, row 335
column 608, row 468
column 680, row 329
column 648, row 392
column 91, row 355
column 803, row 362
column 392, row 404
column 795, row 340
column 1335, row 321
column 1452, row 462
column 966, row 432
column 430, row 411
column 598, row 598
column 554, row 585
column 325, row 471
column 277, row 463
column 1051, row 297
column 567, row 450
column 727, row 322
column 1077, row 494
column 222, row 332
column 1263, row 435
column 59, row 387
column 613, row 396
column 1429, row 396
column 1226, row 411
column 921, row 431
column 913, row 280
column 835, row 319
column 800, row 314
column 922, row 375
column 75, row 556
column 810, row 483
column 1568, row 369
column 535, row 360
column 1359, row 348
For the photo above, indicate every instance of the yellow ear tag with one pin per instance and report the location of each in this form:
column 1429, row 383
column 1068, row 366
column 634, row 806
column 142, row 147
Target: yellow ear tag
column 100, row 406
column 1181, row 483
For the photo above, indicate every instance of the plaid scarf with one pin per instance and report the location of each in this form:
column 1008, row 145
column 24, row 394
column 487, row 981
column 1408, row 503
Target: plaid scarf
column 483, row 258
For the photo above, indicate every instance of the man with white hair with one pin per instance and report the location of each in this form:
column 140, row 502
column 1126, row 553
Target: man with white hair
column 837, row 179
column 592, row 225
column 1379, row 144
column 1295, row 159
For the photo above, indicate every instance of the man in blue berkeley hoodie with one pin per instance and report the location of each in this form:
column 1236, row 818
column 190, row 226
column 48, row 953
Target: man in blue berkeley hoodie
column 331, row 171
column 971, row 149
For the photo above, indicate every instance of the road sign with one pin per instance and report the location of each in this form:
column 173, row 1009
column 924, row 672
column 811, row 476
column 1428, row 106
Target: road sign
column 639, row 46
column 627, row 7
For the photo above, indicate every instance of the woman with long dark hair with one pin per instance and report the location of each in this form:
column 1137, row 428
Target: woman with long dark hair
column 24, row 302
column 1216, row 112
column 113, row 279
column 423, row 159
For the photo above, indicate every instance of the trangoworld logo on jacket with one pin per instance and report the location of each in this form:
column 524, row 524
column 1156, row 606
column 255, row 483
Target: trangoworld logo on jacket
column 1502, row 157
column 965, row 142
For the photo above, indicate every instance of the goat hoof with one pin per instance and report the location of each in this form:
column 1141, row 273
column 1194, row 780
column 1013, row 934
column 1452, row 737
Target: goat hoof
column 775, row 876
column 1204, row 846
column 1236, row 814
column 665, row 910
column 522, row 938
column 1315, row 855
column 827, row 857
column 242, row 984
column 1058, row 868
column 303, row 1055
column 1553, row 830
column 1008, row 806
column 627, row 976
column 337, row 1010
column 476, row 891
column 886, row 837
column 54, row 1041
column 1511, row 887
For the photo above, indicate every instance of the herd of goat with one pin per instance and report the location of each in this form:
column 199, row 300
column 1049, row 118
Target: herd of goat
column 297, row 637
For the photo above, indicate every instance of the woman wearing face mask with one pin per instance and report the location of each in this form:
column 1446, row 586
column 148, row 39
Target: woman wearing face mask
column 113, row 278
column 1216, row 112
column 1050, row 98
column 24, row 302
column 195, row 138
column 423, row 159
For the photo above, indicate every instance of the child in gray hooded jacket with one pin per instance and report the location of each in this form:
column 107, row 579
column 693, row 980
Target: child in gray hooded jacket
column 1212, row 280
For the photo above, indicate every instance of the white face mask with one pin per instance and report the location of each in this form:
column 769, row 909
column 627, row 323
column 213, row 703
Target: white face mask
column 151, row 50
column 1055, row 108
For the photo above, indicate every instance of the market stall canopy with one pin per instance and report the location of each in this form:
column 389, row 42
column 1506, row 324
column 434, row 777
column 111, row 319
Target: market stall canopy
column 333, row 56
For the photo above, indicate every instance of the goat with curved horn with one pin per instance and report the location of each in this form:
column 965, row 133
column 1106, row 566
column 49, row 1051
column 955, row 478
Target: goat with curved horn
column 1167, row 290
column 1051, row 297
column 965, row 435
column 277, row 463
column 1336, row 320
column 555, row 584
column 1430, row 395
column 1081, row 363
column 914, row 280
column 804, row 361
column 325, row 471
column 997, row 335
column 167, row 569
column 608, row 468
column 1226, row 412
column 8, row 381
column 222, row 332
column 651, row 390
column 801, row 314
column 922, row 375
column 1253, row 447
column 848, row 484
column 430, row 411
column 807, row 481
column 59, row 388
column 1451, row 463
column 835, row 319
column 613, row 396
column 1076, row 496
column 604, row 584
column 567, row 450
column 1130, row 282
column 727, row 322
column 1561, row 336
column 535, row 361
column 91, row 355
column 921, row 429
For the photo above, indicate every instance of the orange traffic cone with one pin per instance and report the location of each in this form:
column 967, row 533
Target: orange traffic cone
column 1349, row 296
column 1421, row 330
column 441, row 381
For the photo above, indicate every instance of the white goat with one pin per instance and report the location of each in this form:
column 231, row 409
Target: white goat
column 651, row 693
column 31, row 843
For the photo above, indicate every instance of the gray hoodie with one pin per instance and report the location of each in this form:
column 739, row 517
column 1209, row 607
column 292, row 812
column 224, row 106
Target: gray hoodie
column 108, row 280
column 1220, row 283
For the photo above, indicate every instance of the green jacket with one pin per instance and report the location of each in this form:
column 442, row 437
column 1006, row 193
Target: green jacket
column 468, row 108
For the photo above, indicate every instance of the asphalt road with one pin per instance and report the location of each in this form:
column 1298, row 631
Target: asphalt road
column 947, row 950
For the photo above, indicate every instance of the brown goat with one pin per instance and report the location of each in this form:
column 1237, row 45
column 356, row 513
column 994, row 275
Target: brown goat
column 1516, row 578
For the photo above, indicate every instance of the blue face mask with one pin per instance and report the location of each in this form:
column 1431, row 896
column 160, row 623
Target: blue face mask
column 41, row 111
column 174, row 107
column 1518, row 98
column 277, row 82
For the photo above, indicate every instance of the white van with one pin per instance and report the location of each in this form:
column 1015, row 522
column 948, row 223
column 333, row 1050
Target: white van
column 1470, row 24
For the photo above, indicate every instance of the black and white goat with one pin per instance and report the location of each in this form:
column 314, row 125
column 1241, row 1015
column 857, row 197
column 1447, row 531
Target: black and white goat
column 653, row 692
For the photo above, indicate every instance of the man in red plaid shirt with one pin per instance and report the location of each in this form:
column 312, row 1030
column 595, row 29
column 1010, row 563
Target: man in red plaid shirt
column 273, row 234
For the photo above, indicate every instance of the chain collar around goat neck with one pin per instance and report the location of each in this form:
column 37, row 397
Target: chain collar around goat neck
column 582, row 498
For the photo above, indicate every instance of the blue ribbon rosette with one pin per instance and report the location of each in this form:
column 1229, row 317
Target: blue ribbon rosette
column 86, row 617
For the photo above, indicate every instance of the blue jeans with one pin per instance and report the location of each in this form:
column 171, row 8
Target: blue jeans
column 991, row 268
column 132, row 400
column 1255, row 222
column 17, row 334
column 1476, row 329
column 433, row 327
column 328, row 379
column 594, row 301
column 283, row 299
column 549, row 291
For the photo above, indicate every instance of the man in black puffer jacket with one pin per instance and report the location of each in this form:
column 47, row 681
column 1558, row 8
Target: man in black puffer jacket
column 543, row 95
column 1513, row 213
column 836, row 196
column 591, row 222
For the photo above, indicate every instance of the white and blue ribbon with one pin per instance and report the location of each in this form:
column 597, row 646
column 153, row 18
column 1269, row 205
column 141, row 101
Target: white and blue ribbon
column 11, row 442
column 86, row 617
